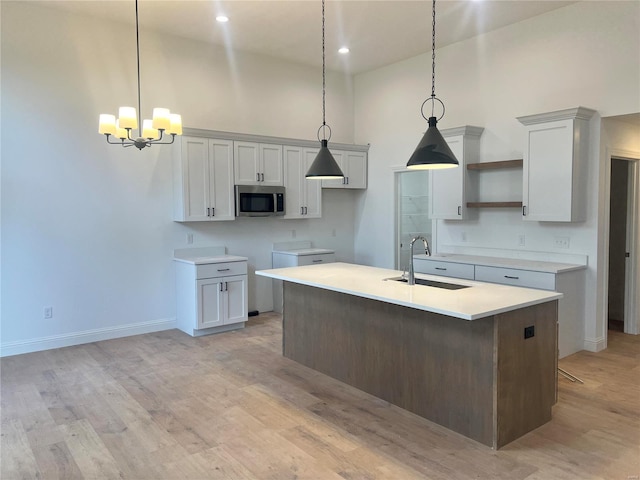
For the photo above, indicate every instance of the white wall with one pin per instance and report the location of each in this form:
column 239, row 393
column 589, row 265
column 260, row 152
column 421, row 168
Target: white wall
column 86, row 226
column 585, row 54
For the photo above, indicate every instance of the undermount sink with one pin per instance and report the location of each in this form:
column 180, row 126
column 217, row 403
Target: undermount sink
column 431, row 283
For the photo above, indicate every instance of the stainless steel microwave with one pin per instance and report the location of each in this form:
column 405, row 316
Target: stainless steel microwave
column 259, row 201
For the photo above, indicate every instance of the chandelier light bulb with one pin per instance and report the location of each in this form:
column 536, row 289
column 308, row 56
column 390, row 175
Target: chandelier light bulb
column 152, row 129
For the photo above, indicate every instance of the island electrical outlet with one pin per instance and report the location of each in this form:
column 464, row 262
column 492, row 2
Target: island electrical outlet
column 529, row 332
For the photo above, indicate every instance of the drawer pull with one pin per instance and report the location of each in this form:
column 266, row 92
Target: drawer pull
column 317, row 261
column 511, row 278
column 224, row 269
column 441, row 268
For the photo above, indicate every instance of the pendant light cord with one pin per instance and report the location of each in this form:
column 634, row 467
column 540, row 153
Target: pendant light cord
column 433, row 57
column 323, row 76
column 138, row 63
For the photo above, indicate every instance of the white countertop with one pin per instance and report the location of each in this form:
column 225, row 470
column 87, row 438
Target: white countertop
column 514, row 263
column 479, row 301
column 201, row 260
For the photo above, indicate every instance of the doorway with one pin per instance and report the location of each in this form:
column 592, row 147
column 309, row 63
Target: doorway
column 412, row 212
column 623, row 234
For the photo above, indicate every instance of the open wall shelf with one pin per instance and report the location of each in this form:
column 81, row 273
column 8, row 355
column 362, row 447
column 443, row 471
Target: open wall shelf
column 495, row 165
column 502, row 164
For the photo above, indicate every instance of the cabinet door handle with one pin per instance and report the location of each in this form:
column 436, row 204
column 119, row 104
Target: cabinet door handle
column 524, row 210
column 305, row 210
column 317, row 261
column 511, row 278
column 224, row 269
column 213, row 211
column 262, row 176
column 344, row 180
column 208, row 213
column 226, row 286
column 459, row 210
column 257, row 177
column 221, row 286
column 440, row 268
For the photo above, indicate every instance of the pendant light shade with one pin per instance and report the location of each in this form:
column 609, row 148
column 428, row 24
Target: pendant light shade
column 324, row 166
column 432, row 152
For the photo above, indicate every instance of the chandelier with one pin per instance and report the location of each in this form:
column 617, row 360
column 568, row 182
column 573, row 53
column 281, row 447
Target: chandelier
column 152, row 131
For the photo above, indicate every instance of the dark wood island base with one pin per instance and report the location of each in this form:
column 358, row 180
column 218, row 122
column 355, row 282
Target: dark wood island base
column 480, row 378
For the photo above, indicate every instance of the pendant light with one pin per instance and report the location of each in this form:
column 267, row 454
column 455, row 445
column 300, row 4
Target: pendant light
column 432, row 152
column 151, row 131
column 324, row 165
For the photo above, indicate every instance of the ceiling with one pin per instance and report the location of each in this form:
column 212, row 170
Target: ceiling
column 378, row 32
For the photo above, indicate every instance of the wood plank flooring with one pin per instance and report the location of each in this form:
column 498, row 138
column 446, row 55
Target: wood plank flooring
column 229, row 406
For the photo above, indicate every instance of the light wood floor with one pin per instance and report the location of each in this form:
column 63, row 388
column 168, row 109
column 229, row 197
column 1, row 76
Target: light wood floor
column 229, row 406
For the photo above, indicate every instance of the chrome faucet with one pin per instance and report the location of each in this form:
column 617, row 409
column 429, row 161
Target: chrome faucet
column 427, row 251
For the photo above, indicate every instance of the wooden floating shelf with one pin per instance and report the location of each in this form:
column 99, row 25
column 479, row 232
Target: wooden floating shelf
column 494, row 204
column 495, row 165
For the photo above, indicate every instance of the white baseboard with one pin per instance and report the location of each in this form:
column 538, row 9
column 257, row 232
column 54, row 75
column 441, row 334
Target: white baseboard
column 77, row 338
column 595, row 345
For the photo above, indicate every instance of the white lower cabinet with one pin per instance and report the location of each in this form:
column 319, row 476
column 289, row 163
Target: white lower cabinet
column 444, row 269
column 516, row 277
column 211, row 297
column 221, row 301
column 568, row 281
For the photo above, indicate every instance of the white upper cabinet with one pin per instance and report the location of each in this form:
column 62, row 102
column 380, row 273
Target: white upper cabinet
column 304, row 197
column 354, row 167
column 258, row 164
column 203, row 179
column 555, row 165
column 450, row 187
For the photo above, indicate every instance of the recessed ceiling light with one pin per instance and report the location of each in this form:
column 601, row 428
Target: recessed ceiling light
column 343, row 50
column 222, row 18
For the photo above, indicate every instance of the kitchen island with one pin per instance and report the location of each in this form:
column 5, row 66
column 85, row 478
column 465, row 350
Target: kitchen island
column 479, row 360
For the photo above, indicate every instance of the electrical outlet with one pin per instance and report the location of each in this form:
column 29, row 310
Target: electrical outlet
column 529, row 332
column 189, row 238
column 561, row 242
column 48, row 312
column 521, row 240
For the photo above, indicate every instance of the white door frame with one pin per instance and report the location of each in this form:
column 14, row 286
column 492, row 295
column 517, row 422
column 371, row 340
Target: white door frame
column 632, row 265
column 632, row 269
column 397, row 171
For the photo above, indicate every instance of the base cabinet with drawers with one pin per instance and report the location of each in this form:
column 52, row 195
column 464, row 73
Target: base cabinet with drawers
column 300, row 256
column 211, row 297
column 565, row 278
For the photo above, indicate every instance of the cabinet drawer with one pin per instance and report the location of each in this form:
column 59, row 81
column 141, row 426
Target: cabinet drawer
column 518, row 278
column 212, row 270
column 315, row 259
column 445, row 269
